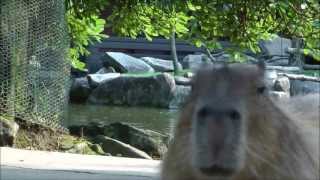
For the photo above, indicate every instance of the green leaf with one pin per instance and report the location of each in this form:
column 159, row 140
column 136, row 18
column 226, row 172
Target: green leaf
column 149, row 38
column 191, row 6
column 198, row 43
column 84, row 27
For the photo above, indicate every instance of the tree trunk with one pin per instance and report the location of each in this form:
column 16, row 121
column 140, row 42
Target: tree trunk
column 300, row 77
column 296, row 59
column 176, row 66
column 213, row 59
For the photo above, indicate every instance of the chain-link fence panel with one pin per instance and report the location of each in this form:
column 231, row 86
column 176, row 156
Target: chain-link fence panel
column 34, row 69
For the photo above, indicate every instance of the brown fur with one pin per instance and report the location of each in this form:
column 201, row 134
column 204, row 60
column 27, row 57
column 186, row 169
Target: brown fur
column 281, row 143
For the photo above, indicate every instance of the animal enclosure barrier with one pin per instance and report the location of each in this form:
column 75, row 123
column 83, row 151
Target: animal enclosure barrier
column 34, row 69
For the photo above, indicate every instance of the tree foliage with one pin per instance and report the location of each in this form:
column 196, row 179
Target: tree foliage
column 84, row 26
column 242, row 22
column 202, row 22
column 147, row 20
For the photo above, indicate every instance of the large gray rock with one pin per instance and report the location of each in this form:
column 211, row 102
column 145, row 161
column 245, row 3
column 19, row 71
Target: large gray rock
column 299, row 87
column 94, row 59
column 159, row 65
column 124, row 63
column 270, row 78
column 8, row 132
column 180, row 96
column 279, row 95
column 275, row 47
column 282, row 84
column 96, row 79
column 195, row 62
column 180, row 80
column 80, row 90
column 151, row 142
column 115, row 147
column 105, row 70
column 154, row 90
column 76, row 73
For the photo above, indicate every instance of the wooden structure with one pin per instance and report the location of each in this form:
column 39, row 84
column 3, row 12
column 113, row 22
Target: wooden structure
column 140, row 47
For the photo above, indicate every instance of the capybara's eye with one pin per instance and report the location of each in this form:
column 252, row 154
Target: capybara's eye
column 234, row 115
column 203, row 112
column 261, row 89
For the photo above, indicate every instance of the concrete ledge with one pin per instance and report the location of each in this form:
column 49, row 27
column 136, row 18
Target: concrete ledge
column 24, row 164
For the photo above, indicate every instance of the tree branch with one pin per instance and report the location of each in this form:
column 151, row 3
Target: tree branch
column 300, row 77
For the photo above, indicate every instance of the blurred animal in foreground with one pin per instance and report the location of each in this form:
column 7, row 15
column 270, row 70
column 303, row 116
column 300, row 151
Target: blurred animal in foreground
column 230, row 129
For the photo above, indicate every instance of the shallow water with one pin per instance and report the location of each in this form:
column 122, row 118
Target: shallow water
column 160, row 120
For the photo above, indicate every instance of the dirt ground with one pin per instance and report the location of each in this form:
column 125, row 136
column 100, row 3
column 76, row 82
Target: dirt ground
column 37, row 137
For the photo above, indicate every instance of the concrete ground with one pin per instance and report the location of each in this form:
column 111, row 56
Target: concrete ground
column 19, row 164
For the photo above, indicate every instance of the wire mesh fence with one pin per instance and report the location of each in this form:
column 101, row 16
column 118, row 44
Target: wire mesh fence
column 34, row 70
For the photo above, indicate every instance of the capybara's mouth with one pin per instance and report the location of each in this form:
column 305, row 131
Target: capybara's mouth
column 216, row 170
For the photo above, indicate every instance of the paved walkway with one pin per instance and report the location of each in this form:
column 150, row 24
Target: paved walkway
column 19, row 164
